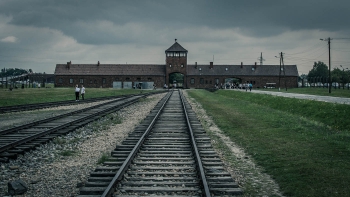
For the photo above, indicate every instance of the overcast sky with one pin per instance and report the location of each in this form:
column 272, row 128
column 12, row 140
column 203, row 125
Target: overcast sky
column 38, row 34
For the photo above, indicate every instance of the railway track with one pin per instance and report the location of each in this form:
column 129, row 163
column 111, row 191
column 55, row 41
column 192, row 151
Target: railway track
column 17, row 140
column 168, row 154
column 27, row 107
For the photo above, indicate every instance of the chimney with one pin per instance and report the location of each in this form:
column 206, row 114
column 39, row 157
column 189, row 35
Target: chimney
column 241, row 64
column 211, row 65
column 98, row 63
column 68, row 64
column 195, row 65
column 255, row 65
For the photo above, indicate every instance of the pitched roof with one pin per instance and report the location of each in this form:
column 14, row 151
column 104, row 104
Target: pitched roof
column 176, row 47
column 110, row 69
column 245, row 70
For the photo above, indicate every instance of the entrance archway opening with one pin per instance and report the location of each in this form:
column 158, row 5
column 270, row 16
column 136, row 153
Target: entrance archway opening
column 232, row 82
column 176, row 80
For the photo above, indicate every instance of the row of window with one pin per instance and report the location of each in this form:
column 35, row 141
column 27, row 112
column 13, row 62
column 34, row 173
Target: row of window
column 176, row 54
column 81, row 81
column 217, row 81
column 202, row 81
column 181, row 65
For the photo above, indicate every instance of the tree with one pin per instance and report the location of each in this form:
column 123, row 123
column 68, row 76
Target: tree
column 15, row 71
column 319, row 69
column 336, row 75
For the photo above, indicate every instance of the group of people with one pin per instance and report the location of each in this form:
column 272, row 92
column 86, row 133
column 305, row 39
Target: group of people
column 245, row 86
column 78, row 92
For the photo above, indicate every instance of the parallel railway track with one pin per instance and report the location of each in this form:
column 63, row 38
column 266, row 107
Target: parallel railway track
column 168, row 154
column 17, row 140
column 27, row 107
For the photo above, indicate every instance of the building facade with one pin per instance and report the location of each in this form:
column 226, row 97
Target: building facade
column 175, row 71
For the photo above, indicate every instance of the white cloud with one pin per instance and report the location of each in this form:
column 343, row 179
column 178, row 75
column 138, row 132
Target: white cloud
column 12, row 39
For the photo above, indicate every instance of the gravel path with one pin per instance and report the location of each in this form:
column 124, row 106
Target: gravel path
column 47, row 172
column 330, row 99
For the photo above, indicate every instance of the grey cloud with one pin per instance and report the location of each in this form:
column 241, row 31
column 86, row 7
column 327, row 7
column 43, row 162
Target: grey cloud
column 256, row 18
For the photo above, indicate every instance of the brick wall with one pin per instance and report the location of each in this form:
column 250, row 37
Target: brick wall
column 104, row 81
column 178, row 65
column 258, row 82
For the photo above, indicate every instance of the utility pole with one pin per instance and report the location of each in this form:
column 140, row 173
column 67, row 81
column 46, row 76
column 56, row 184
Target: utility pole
column 261, row 59
column 284, row 73
column 279, row 76
column 329, row 71
column 329, row 54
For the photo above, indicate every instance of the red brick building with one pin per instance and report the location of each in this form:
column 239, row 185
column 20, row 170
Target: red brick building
column 176, row 67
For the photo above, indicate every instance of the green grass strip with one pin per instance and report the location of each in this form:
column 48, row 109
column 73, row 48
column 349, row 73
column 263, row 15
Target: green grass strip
column 42, row 95
column 304, row 154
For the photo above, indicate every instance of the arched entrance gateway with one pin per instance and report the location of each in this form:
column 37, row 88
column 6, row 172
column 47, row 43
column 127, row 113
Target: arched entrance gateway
column 176, row 79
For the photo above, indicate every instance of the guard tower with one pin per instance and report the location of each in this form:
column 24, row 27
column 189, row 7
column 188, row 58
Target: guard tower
column 176, row 62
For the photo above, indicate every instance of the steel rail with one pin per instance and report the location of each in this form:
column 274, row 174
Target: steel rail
column 66, row 114
column 54, row 118
column 119, row 175
column 26, row 107
column 194, row 145
column 32, row 137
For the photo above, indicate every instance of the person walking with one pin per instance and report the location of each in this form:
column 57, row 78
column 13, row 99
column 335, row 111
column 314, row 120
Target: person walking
column 82, row 92
column 77, row 91
column 250, row 86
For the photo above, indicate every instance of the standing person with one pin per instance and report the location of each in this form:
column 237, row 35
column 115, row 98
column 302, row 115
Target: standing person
column 82, row 92
column 77, row 90
column 250, row 86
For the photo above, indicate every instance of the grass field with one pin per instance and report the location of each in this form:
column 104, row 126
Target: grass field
column 304, row 145
column 40, row 95
column 315, row 91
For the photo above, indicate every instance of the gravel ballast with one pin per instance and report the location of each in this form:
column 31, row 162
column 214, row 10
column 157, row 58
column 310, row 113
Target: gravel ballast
column 50, row 171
